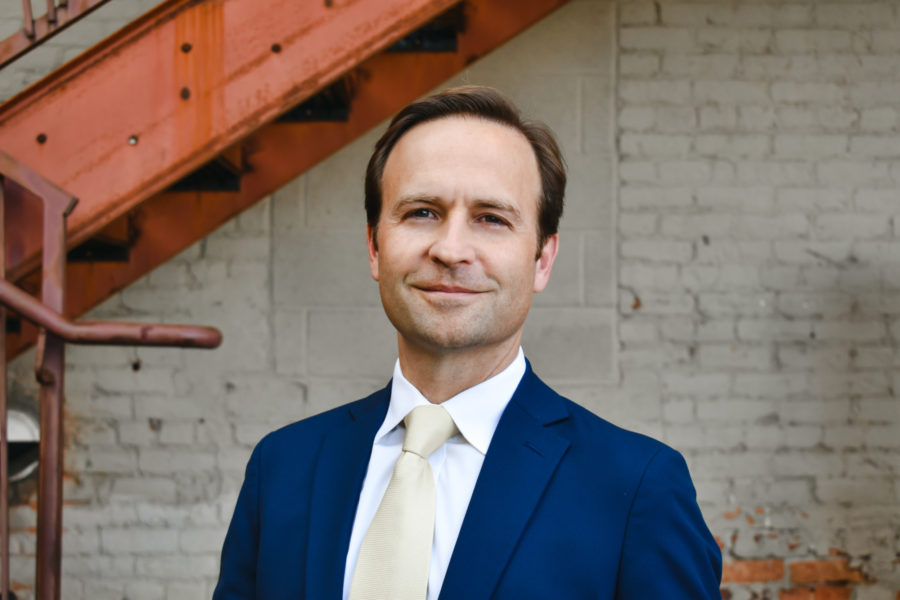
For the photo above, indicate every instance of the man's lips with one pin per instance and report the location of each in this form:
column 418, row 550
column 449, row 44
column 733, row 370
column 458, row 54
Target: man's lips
column 447, row 289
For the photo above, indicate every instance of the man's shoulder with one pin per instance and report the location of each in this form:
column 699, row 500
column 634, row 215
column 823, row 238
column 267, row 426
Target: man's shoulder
column 594, row 438
column 309, row 432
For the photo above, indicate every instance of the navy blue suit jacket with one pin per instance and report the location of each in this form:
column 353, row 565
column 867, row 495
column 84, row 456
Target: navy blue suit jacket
column 566, row 506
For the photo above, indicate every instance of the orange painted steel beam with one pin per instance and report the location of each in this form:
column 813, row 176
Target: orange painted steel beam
column 178, row 86
column 275, row 154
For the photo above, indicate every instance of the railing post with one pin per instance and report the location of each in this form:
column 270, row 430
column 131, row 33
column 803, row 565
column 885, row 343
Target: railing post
column 4, row 441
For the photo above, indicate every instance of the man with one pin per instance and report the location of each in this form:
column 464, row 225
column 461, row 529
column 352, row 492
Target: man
column 531, row 496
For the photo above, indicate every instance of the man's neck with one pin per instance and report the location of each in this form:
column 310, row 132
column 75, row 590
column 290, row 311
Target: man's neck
column 441, row 375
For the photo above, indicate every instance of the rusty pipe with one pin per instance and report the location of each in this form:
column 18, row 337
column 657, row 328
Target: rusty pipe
column 106, row 332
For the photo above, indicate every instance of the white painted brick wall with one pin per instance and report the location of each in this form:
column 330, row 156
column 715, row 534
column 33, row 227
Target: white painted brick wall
column 729, row 281
column 785, row 185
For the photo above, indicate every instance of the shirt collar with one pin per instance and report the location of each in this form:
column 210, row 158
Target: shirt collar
column 476, row 411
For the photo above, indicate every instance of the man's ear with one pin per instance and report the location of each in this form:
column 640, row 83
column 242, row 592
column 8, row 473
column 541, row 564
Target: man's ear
column 373, row 251
column 544, row 263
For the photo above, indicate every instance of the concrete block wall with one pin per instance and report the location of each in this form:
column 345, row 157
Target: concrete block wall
column 729, row 281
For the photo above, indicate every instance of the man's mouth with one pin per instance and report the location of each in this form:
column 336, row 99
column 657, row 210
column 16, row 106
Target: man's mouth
column 450, row 289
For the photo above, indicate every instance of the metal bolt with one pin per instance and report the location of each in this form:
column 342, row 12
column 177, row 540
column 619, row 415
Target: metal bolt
column 276, row 48
column 133, row 140
column 186, row 47
column 41, row 138
column 185, row 93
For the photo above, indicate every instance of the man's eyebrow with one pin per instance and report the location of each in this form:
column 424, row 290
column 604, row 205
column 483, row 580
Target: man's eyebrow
column 405, row 201
column 501, row 205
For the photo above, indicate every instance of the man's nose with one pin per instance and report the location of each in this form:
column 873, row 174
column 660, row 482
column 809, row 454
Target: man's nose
column 453, row 243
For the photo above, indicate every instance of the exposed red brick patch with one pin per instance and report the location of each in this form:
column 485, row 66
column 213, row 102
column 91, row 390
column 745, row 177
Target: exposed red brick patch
column 816, row 593
column 825, row 571
column 732, row 514
column 751, row 571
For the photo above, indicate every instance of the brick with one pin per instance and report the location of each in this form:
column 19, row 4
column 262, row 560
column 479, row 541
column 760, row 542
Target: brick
column 731, row 92
column 701, row 385
column 648, row 277
column 649, row 145
column 718, row 250
column 728, row 304
column 637, row 224
column 636, row 331
column 813, row 199
column 636, row 197
column 718, row 118
column 700, row 65
column 824, row 571
column 160, row 489
column 744, row 356
column 880, row 201
column 676, row 119
column 737, row 199
column 815, row 305
column 159, row 461
column 864, row 15
column 780, row 173
column 756, row 118
column 656, row 303
column 637, row 13
column 842, row 226
column 139, row 541
column 810, row 41
column 880, row 146
column 639, row 171
column 878, row 119
column 815, row 593
column 769, row 67
column 656, row 38
column 868, row 94
column 207, row 540
column 807, row 92
column 730, row 277
column 855, row 331
column 666, row 92
column 843, row 173
column 728, row 40
column 657, row 251
column 638, row 65
column 637, row 118
column 178, row 567
column 743, row 146
column 810, row 146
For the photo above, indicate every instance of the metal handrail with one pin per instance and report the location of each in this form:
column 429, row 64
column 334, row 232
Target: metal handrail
column 106, row 332
column 55, row 330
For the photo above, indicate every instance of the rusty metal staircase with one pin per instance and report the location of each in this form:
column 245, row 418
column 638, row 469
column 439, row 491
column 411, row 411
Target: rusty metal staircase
column 172, row 126
column 198, row 109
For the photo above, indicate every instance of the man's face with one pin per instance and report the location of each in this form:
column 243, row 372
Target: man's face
column 457, row 235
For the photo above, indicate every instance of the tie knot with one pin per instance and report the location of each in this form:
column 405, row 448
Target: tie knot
column 427, row 428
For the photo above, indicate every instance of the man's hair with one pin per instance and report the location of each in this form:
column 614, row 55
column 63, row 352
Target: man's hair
column 485, row 103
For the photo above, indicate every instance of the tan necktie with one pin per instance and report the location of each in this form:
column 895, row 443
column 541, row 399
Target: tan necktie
column 396, row 550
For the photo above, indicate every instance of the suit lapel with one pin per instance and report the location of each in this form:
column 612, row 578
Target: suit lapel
column 522, row 458
column 340, row 470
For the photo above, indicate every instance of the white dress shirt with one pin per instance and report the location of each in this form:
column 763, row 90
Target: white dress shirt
column 455, row 465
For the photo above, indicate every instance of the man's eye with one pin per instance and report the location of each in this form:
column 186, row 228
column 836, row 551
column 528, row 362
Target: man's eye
column 493, row 220
column 421, row 213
